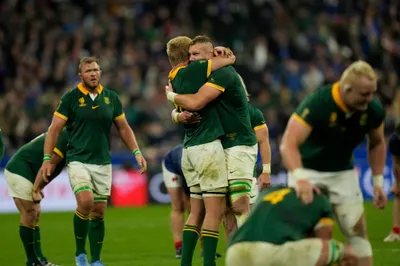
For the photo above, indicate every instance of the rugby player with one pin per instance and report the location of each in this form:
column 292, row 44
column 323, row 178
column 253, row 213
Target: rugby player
column 20, row 173
column 394, row 148
column 89, row 111
column 239, row 141
column 318, row 146
column 203, row 160
column 278, row 230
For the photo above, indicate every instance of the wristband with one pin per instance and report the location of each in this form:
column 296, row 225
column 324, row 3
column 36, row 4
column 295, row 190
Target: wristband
column 171, row 96
column 136, row 151
column 266, row 168
column 47, row 157
column 377, row 180
column 175, row 117
column 299, row 174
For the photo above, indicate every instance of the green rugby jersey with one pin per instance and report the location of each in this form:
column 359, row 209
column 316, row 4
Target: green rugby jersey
column 335, row 131
column 27, row 161
column 257, row 122
column 188, row 80
column 280, row 216
column 89, row 123
column 233, row 108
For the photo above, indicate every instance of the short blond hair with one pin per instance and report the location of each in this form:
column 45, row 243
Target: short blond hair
column 87, row 60
column 356, row 70
column 202, row 39
column 178, row 49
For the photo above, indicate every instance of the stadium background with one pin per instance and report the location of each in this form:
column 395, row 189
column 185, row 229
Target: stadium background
column 284, row 49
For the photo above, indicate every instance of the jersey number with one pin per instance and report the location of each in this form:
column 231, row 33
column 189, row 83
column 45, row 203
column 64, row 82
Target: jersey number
column 277, row 196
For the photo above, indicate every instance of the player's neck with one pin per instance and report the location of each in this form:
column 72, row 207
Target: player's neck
column 180, row 65
column 91, row 90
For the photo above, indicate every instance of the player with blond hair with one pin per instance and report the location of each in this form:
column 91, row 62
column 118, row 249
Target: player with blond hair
column 318, row 144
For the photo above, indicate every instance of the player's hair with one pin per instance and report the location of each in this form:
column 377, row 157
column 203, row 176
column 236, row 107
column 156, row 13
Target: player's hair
column 87, row 60
column 355, row 71
column 178, row 49
column 201, row 39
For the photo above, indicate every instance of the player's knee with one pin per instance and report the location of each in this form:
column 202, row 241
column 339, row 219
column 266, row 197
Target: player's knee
column 178, row 206
column 239, row 195
column 361, row 246
column 29, row 216
column 241, row 205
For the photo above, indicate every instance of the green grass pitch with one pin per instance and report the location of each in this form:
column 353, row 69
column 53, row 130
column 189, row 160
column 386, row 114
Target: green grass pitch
column 141, row 237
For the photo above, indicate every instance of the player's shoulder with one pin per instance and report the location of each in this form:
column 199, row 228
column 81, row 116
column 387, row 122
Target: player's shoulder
column 110, row 93
column 376, row 107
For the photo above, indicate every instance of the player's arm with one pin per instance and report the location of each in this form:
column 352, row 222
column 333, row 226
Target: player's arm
column 213, row 88
column 220, row 62
column 265, row 152
column 377, row 154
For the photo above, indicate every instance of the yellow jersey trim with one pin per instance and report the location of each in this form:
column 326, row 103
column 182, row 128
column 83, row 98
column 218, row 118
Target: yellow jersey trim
column 172, row 74
column 61, row 116
column 325, row 221
column 215, row 86
column 119, row 117
column 301, row 120
column 209, row 66
column 336, row 97
column 85, row 91
column 259, row 127
column 59, row 153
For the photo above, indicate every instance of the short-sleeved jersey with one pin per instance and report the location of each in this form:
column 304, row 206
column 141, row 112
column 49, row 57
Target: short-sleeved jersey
column 335, row 131
column 173, row 159
column 257, row 122
column 394, row 144
column 27, row 161
column 89, row 123
column 233, row 108
column 280, row 216
column 188, row 80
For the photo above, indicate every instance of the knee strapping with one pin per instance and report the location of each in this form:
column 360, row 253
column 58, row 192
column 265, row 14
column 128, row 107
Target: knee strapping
column 239, row 189
column 335, row 251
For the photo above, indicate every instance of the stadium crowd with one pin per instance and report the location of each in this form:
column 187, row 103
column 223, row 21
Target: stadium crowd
column 284, row 49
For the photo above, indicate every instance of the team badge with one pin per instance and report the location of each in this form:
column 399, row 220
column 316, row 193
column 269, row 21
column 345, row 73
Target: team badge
column 363, row 119
column 332, row 119
column 81, row 102
column 107, row 100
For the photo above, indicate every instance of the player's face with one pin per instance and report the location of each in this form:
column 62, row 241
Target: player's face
column 361, row 94
column 199, row 51
column 90, row 75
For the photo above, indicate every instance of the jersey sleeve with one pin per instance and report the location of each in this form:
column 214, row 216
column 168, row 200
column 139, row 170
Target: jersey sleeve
column 326, row 217
column 378, row 114
column 118, row 110
column 256, row 118
column 61, row 147
column 307, row 112
column 63, row 110
column 200, row 68
column 220, row 79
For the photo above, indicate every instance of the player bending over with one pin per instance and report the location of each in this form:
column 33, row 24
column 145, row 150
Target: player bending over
column 278, row 229
column 318, row 146
column 394, row 147
column 20, row 173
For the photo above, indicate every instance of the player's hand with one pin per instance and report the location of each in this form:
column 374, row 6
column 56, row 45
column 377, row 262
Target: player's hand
column 264, row 181
column 37, row 195
column 395, row 190
column 142, row 162
column 349, row 257
column 187, row 117
column 169, row 88
column 305, row 190
column 47, row 170
column 222, row 51
column 380, row 198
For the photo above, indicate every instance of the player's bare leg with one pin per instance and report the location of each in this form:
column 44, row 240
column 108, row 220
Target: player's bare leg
column 395, row 234
column 191, row 230
column 29, row 216
column 230, row 224
column 179, row 203
column 97, row 230
column 84, row 199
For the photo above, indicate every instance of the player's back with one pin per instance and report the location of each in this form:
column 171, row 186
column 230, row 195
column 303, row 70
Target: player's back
column 188, row 80
column 233, row 108
column 279, row 216
column 172, row 160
